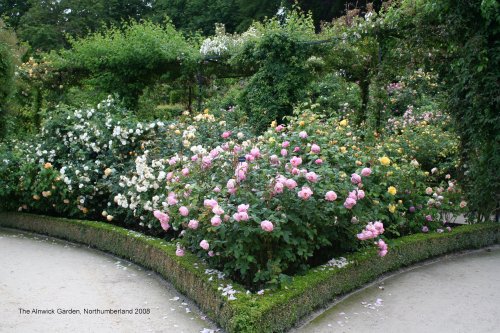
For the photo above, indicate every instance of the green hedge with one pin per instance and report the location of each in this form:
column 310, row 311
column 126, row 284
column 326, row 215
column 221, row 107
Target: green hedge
column 275, row 311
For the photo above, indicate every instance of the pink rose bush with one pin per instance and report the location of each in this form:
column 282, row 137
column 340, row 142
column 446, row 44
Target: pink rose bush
column 254, row 207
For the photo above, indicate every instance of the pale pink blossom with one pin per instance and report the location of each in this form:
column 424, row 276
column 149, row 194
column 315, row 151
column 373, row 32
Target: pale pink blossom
column 295, row 171
column 296, row 161
column 278, row 188
column 274, row 159
column 217, row 210
column 366, row 172
column 206, row 162
column 193, row 224
column 312, row 177
column 305, row 193
column 349, row 203
column 279, row 128
column 285, row 144
column 290, row 184
column 216, row 221
column 171, row 199
column 241, row 216
column 249, row 158
column 204, row 245
column 184, row 211
column 243, row 208
column 185, row 171
column 331, row 196
column 303, row 135
column 355, row 178
column 267, row 225
column 210, row 203
column 163, row 218
column 315, row 149
column 179, row 252
column 255, row 152
column 283, row 152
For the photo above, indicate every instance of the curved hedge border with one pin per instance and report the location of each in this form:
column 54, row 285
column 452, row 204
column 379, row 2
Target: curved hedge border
column 275, row 311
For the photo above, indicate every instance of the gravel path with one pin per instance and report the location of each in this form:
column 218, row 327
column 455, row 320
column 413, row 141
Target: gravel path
column 456, row 294
column 47, row 285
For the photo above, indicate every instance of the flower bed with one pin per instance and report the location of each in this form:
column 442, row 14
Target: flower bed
column 259, row 208
column 273, row 311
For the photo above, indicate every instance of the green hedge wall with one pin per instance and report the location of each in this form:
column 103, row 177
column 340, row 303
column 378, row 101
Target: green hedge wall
column 275, row 311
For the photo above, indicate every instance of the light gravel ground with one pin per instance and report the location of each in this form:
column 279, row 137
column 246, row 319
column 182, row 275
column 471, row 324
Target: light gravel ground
column 460, row 293
column 38, row 272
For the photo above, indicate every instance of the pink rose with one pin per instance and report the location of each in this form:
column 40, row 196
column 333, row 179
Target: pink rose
column 210, row 203
column 163, row 218
column 296, row 161
column 330, row 196
column 279, row 128
column 193, row 224
column 171, row 199
column 290, row 184
column 241, row 216
column 355, row 178
column 185, row 171
column 216, row 189
column 303, row 135
column 295, row 171
column 361, row 194
column 274, row 159
column 179, row 252
column 283, row 152
column 315, row 149
column 243, row 208
column 184, row 211
column 216, row 221
column 296, row 149
column 226, row 134
column 194, row 158
column 278, row 188
column 305, row 193
column 319, row 161
column 266, row 225
column 217, row 210
column 312, row 177
column 255, row 152
column 206, row 162
column 349, row 203
column 285, row 144
column 249, row 158
column 366, row 172
column 204, row 245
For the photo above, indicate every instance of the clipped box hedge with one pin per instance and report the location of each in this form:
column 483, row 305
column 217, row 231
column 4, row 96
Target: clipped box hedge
column 275, row 311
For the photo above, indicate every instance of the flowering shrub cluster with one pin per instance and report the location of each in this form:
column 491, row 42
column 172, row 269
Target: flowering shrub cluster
column 258, row 208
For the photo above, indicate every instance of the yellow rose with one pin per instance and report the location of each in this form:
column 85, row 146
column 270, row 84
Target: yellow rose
column 47, row 165
column 392, row 208
column 344, row 123
column 392, row 190
column 343, row 149
column 385, row 161
column 177, row 132
column 400, row 202
column 273, row 124
column 36, row 197
column 107, row 172
column 359, row 163
column 302, row 123
column 272, row 140
column 205, row 111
